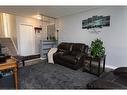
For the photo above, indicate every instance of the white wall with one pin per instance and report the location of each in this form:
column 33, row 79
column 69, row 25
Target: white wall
column 12, row 28
column 8, row 27
column 114, row 37
column 2, row 33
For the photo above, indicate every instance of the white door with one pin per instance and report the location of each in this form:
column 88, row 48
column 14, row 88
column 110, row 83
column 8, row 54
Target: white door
column 27, row 40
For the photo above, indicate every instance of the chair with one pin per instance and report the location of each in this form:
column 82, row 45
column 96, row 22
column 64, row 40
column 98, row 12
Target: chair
column 9, row 48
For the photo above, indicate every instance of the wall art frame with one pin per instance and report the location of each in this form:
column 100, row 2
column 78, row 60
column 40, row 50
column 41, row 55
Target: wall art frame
column 96, row 22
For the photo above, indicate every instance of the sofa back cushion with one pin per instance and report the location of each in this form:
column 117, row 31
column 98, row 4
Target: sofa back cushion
column 65, row 47
column 86, row 47
column 78, row 47
column 72, row 48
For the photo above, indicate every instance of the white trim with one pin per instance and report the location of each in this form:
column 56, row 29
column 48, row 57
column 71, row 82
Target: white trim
column 42, row 58
column 32, row 60
column 112, row 67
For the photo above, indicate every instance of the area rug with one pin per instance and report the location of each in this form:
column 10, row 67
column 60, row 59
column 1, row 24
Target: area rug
column 53, row 76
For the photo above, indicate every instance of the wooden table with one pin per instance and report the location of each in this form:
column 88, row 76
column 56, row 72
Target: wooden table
column 11, row 64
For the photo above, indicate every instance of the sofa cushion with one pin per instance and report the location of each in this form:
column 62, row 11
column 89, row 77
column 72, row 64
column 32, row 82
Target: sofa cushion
column 64, row 47
column 69, row 59
column 121, row 71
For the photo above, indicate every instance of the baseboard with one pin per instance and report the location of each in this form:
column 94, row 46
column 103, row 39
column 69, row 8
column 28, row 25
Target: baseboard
column 111, row 67
column 32, row 60
column 42, row 58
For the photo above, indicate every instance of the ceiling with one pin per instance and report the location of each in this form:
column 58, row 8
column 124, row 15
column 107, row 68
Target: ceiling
column 51, row 11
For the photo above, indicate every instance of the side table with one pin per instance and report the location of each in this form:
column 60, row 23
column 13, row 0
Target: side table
column 11, row 64
column 89, row 61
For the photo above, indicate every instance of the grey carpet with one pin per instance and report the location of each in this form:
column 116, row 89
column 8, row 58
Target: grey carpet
column 53, row 76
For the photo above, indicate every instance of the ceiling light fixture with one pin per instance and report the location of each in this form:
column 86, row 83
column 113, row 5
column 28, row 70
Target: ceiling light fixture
column 39, row 17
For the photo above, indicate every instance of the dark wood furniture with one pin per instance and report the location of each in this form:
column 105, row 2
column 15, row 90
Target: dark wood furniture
column 89, row 61
column 26, row 58
column 29, row 57
column 11, row 64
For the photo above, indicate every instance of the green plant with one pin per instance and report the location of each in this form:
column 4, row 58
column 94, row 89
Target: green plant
column 53, row 38
column 97, row 49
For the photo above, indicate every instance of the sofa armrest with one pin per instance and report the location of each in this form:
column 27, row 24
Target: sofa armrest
column 58, row 53
column 121, row 71
column 105, row 84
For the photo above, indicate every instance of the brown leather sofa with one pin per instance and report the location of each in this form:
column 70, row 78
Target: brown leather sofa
column 70, row 54
column 116, row 79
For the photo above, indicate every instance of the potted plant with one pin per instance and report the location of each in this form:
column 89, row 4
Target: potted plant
column 97, row 49
column 53, row 38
